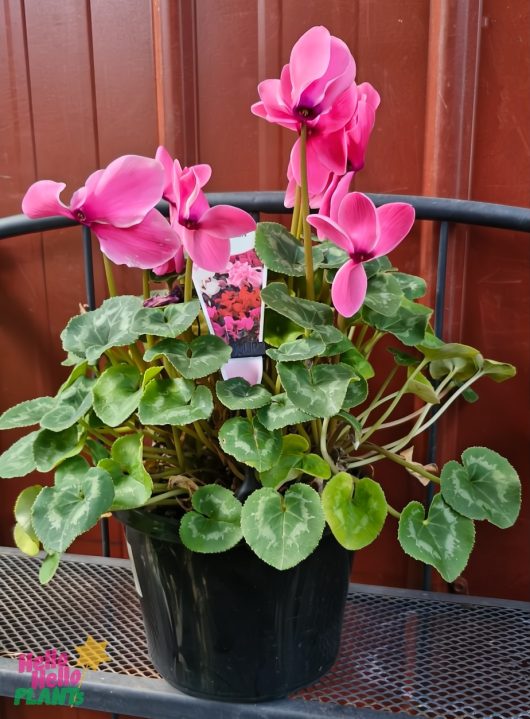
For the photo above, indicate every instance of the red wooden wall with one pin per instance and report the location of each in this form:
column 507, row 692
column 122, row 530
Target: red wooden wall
column 82, row 81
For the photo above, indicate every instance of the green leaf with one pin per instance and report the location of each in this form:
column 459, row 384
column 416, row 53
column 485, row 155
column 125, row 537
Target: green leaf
column 498, row 371
column 409, row 324
column 48, row 567
column 298, row 350
column 19, row 459
column 26, row 413
column 373, row 267
column 470, row 395
column 450, row 350
column 485, row 487
column 132, row 484
column 215, row 525
column 171, row 321
column 341, row 346
column 384, row 294
column 174, row 401
column 281, row 412
column 149, row 374
column 250, row 442
column 78, row 371
column 360, row 364
column 285, row 469
column 333, row 256
column 315, row 466
column 320, row 390
column 354, row 509
column 444, row 540
column 237, row 393
column 283, row 530
column 97, row 450
column 305, row 313
column 23, row 533
column 356, row 393
column 282, row 252
column 412, row 287
column 354, row 424
column 73, row 505
column 403, row 359
column 421, row 387
column 200, row 357
column 117, row 393
column 51, row 448
column 88, row 335
column 71, row 404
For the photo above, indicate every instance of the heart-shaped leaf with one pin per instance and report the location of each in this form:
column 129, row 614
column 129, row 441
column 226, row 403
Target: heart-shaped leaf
column 282, row 252
column 26, row 413
column 421, row 387
column 354, row 424
column 171, row 321
column 403, row 359
column 281, row 412
column 250, row 442
column 88, row 335
column 412, row 287
column 51, row 448
column 373, row 267
column 356, row 393
column 19, row 459
column 23, row 533
column 357, row 360
column 73, row 505
column 71, row 404
column 498, row 371
column 354, row 509
column 174, row 401
column 279, row 329
column 200, row 357
column 408, row 324
column 283, row 529
column 132, row 484
column 319, row 390
column 215, row 525
column 237, row 393
column 485, row 487
column 444, row 540
column 333, row 256
column 117, row 393
column 383, row 294
column 305, row 313
column 298, row 350
column 286, row 468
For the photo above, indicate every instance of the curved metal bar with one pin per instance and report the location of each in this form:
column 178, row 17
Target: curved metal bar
column 427, row 208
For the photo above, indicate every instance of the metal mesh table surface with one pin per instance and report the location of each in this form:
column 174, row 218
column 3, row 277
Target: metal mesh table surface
column 403, row 653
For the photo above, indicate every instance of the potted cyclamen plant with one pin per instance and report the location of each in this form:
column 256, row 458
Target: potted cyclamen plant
column 238, row 441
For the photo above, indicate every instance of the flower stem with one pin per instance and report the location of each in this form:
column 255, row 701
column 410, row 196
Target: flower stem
column 145, row 284
column 308, row 247
column 296, row 212
column 111, row 284
column 178, row 447
column 393, row 512
column 323, row 446
column 188, row 281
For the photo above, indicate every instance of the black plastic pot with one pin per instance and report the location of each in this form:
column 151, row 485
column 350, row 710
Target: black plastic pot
column 228, row 626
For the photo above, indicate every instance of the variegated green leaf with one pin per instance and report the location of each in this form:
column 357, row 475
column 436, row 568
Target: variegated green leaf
column 305, row 313
column 355, row 509
column 250, row 442
column 117, row 393
column 412, row 287
column 215, row 524
column 200, row 357
column 356, row 393
column 278, row 329
column 383, row 294
column 286, row 468
column 71, row 404
column 283, row 529
column 408, row 324
column 171, row 321
column 174, row 401
column 88, row 335
column 19, row 459
column 237, row 393
column 282, row 252
column 319, row 390
column 444, row 540
column 298, row 350
column 73, row 505
column 51, row 448
column 484, row 486
column 281, row 412
column 26, row 413
column 421, row 387
column 357, row 360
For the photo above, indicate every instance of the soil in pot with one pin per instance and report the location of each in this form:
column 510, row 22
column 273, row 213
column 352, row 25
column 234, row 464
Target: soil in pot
column 228, row 626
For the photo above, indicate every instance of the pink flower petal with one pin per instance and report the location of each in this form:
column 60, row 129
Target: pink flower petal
column 358, row 218
column 329, row 230
column 225, row 221
column 208, row 252
column 340, row 113
column 202, row 173
column 163, row 156
column 309, row 59
column 146, row 245
column 349, row 288
column 42, row 200
column 125, row 191
column 317, row 172
column 175, row 265
column 395, row 220
column 329, row 150
column 336, row 192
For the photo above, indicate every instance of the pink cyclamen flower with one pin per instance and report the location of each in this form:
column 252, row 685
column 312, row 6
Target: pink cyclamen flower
column 117, row 204
column 205, row 231
column 316, row 90
column 364, row 232
column 360, row 127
